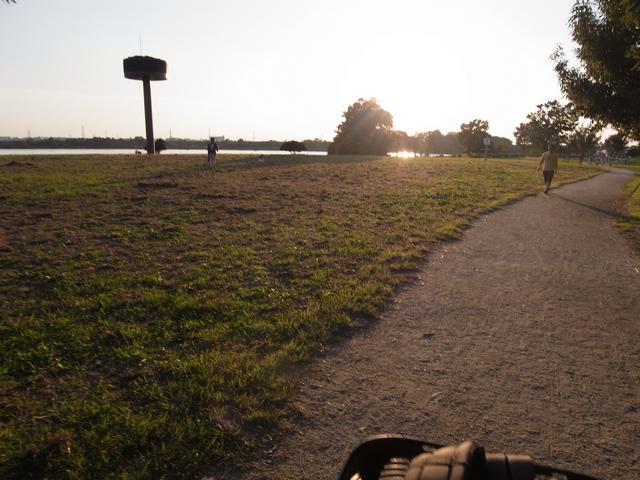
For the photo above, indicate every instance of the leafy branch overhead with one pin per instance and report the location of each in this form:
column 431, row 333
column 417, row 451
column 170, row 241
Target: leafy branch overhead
column 606, row 83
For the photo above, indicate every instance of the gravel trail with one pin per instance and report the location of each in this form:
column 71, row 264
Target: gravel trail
column 524, row 336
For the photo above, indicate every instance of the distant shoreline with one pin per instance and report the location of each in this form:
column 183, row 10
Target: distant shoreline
column 131, row 151
column 138, row 143
column 82, row 147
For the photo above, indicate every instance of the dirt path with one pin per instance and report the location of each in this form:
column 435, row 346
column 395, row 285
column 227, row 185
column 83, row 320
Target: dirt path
column 524, row 336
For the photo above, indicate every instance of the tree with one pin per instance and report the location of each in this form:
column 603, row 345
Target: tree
column 500, row 145
column 606, row 83
column 399, row 141
column 160, row 145
column 634, row 151
column 584, row 138
column 293, row 146
column 364, row 130
column 549, row 124
column 421, row 144
column 430, row 142
column 472, row 135
column 434, row 142
column 616, row 144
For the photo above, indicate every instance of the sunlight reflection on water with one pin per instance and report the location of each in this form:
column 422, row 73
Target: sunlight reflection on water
column 405, row 154
column 402, row 154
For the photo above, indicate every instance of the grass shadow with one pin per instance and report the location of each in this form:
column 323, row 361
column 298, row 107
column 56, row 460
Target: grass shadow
column 611, row 214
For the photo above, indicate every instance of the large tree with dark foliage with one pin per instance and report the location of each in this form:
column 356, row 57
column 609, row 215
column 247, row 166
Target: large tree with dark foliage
column 472, row 134
column 160, row 145
column 365, row 129
column 616, row 144
column 606, row 83
column 293, row 146
column 500, row 145
column 551, row 123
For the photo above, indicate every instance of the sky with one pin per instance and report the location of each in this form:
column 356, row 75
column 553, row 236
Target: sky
column 275, row 69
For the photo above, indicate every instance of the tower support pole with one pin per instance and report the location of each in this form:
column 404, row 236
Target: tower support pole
column 148, row 116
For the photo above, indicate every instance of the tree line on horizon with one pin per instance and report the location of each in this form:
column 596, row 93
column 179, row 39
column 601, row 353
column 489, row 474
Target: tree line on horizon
column 602, row 91
column 138, row 143
column 367, row 129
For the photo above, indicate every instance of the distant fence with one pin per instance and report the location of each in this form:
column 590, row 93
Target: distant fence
column 604, row 159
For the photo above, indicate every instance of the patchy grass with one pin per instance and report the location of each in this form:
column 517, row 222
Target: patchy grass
column 634, row 165
column 151, row 310
column 630, row 225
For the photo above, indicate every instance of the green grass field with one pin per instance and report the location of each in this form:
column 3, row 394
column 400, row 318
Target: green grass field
column 152, row 312
column 630, row 226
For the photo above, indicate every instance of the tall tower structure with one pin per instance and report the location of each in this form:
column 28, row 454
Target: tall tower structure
column 147, row 69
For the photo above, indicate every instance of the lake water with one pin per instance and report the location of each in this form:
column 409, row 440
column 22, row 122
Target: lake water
column 125, row 151
column 114, row 151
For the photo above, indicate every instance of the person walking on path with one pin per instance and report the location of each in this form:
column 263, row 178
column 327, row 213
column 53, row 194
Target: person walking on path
column 212, row 151
column 549, row 165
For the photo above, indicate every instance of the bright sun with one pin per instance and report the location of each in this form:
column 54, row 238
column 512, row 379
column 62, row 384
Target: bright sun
column 415, row 77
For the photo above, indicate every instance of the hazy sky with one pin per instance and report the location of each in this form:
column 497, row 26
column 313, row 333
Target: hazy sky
column 281, row 69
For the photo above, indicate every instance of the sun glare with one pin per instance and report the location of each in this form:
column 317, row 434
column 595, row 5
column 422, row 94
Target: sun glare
column 402, row 154
column 415, row 77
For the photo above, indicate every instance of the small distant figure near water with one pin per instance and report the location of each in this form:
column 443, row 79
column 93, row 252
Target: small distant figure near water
column 212, row 151
column 549, row 165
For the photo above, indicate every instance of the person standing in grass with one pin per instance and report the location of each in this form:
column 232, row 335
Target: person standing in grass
column 549, row 166
column 212, row 151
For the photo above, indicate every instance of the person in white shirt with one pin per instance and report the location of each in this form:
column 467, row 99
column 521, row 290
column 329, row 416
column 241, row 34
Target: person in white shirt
column 549, row 165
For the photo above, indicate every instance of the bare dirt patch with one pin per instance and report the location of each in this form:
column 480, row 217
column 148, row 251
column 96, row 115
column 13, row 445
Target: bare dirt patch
column 13, row 164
